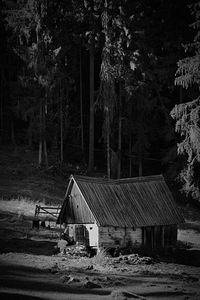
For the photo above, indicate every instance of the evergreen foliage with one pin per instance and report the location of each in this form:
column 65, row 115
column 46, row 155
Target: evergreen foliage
column 187, row 115
column 119, row 55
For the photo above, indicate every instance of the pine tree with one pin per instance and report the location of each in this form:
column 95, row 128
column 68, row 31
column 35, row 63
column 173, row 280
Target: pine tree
column 33, row 44
column 87, row 13
column 113, row 66
column 187, row 115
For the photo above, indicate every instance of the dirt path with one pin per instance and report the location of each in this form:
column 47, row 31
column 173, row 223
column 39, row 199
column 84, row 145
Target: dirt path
column 23, row 282
column 55, row 277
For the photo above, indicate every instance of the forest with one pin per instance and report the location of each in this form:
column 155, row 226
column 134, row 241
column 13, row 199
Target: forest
column 108, row 86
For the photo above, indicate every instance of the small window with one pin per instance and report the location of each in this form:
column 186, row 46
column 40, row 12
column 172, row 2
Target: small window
column 91, row 228
column 77, row 206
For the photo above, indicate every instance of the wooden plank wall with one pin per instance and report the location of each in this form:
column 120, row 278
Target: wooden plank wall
column 77, row 211
column 112, row 237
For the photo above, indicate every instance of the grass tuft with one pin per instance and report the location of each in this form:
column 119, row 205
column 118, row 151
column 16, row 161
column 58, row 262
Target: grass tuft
column 101, row 257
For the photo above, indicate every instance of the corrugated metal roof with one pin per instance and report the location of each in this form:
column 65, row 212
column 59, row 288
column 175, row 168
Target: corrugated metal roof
column 129, row 202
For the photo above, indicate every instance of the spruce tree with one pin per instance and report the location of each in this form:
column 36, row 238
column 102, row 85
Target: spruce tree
column 187, row 115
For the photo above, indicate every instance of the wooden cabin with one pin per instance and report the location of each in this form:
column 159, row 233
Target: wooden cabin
column 104, row 213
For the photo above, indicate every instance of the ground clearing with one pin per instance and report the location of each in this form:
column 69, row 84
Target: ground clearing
column 30, row 270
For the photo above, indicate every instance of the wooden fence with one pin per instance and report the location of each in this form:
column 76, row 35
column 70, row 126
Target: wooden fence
column 44, row 211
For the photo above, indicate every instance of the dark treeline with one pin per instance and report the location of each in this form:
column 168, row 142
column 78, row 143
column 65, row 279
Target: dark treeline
column 92, row 82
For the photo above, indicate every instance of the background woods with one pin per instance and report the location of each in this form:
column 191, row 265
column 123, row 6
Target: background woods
column 90, row 83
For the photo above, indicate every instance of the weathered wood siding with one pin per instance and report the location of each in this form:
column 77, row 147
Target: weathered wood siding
column 159, row 236
column 77, row 210
column 111, row 237
column 116, row 236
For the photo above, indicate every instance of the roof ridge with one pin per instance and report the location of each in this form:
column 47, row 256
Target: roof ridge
column 102, row 180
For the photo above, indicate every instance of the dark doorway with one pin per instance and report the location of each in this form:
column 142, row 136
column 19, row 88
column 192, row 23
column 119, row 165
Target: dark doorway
column 152, row 237
column 81, row 234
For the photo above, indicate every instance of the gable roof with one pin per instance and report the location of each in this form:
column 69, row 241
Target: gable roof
column 129, row 202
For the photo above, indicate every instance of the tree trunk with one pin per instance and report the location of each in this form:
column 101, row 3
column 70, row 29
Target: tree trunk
column 91, row 132
column 30, row 131
column 42, row 157
column 44, row 129
column 108, row 142
column 141, row 145
column 40, row 137
column 61, row 125
column 40, row 153
column 119, row 134
column 81, row 104
column 1, row 105
column 45, row 153
column 140, row 167
column 130, row 155
column 13, row 134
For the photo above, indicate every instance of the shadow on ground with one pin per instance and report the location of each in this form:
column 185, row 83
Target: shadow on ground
column 12, row 296
column 27, row 246
column 187, row 257
column 32, row 280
